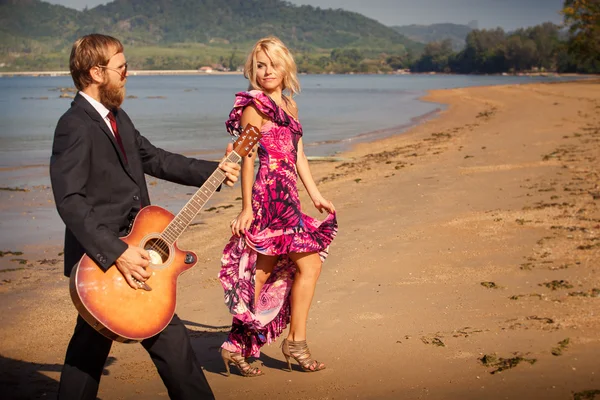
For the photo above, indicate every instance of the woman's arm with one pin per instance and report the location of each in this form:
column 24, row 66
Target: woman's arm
column 309, row 183
column 243, row 221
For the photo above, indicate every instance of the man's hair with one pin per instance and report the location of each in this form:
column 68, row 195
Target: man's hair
column 88, row 52
column 281, row 57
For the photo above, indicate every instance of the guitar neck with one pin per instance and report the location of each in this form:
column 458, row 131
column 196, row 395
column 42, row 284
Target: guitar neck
column 187, row 214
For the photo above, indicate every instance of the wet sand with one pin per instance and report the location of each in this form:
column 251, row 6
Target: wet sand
column 468, row 245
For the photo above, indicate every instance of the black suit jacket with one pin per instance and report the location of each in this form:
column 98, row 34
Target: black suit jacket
column 98, row 193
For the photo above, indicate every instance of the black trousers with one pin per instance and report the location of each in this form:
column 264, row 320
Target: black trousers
column 170, row 350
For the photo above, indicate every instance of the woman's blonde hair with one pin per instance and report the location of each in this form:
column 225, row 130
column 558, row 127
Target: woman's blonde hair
column 282, row 59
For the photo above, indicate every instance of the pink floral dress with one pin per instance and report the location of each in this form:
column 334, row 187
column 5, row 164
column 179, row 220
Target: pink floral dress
column 279, row 228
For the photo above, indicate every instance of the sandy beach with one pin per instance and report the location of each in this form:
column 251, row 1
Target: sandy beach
column 467, row 266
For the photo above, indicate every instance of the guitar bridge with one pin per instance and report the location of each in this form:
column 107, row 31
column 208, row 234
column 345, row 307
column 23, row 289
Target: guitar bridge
column 142, row 285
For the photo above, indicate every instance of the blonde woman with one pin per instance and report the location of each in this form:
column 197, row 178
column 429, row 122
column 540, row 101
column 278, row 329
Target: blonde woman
column 272, row 262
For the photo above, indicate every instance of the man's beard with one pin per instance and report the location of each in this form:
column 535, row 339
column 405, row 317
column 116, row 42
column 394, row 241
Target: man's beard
column 111, row 96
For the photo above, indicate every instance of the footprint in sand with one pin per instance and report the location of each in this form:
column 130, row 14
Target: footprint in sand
column 507, row 167
column 369, row 316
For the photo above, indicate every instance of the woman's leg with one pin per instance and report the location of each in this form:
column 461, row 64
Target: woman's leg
column 238, row 346
column 237, row 336
column 308, row 271
column 264, row 267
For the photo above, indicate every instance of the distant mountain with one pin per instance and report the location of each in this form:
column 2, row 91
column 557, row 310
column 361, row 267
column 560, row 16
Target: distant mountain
column 30, row 26
column 474, row 24
column 437, row 32
column 242, row 21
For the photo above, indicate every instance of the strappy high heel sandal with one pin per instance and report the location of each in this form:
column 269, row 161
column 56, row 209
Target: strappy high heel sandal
column 240, row 362
column 300, row 352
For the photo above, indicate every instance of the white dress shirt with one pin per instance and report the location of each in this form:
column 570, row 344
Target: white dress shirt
column 103, row 111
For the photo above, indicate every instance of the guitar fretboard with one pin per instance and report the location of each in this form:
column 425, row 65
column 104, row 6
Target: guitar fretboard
column 187, row 214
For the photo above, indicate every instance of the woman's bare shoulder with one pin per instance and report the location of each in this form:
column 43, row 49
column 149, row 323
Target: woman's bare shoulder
column 291, row 106
column 252, row 115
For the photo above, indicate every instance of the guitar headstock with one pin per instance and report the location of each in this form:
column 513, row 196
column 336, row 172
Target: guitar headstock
column 247, row 140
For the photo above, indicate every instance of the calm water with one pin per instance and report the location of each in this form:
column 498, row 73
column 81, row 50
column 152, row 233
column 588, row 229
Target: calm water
column 190, row 113
column 336, row 111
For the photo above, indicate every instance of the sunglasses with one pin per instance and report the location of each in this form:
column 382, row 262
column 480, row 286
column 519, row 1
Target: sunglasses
column 122, row 70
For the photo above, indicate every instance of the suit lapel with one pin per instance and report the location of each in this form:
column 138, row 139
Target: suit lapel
column 127, row 132
column 96, row 117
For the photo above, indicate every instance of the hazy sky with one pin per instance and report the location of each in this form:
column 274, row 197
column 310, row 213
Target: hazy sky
column 509, row 14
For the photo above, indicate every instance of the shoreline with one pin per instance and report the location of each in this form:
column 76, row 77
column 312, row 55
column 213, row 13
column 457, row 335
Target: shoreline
column 172, row 196
column 24, row 182
column 473, row 236
column 214, row 154
column 149, row 72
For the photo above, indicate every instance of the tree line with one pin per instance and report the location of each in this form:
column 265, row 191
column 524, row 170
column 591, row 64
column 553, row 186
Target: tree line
column 545, row 47
column 494, row 51
column 540, row 48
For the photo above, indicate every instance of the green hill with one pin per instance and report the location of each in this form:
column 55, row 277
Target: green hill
column 436, row 33
column 187, row 33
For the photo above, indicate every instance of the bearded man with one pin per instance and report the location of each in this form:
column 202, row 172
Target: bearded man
column 97, row 172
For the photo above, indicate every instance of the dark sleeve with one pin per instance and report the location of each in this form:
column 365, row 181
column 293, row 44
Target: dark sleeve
column 69, row 170
column 173, row 167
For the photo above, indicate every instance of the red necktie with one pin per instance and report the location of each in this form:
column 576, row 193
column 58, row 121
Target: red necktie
column 113, row 124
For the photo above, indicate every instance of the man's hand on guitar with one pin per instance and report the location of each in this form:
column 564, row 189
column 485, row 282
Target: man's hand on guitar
column 132, row 264
column 232, row 170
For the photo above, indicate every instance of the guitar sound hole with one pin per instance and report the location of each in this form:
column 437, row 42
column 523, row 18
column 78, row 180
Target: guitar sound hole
column 158, row 250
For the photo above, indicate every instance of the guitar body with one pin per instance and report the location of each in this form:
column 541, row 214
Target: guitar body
column 107, row 302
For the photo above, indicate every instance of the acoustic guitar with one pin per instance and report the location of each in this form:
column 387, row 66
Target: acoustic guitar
column 105, row 299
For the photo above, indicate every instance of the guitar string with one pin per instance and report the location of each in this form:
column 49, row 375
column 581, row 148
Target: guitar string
column 168, row 235
column 162, row 244
column 167, row 238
